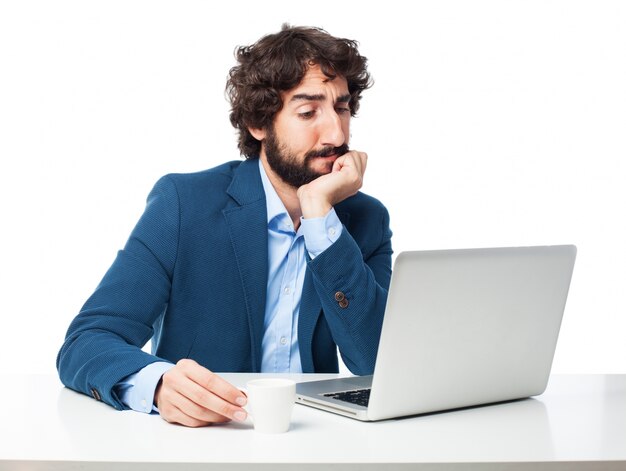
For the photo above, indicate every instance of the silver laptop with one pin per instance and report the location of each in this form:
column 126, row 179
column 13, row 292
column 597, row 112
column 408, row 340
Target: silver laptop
column 461, row 328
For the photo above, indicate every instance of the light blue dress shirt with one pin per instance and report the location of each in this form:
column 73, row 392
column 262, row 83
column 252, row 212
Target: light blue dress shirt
column 286, row 270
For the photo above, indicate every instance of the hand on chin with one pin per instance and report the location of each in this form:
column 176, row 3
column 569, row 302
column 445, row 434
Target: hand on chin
column 343, row 180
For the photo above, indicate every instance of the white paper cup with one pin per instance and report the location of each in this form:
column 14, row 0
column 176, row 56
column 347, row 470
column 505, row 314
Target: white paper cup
column 270, row 402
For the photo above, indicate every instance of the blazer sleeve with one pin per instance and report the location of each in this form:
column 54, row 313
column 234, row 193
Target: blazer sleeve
column 352, row 280
column 103, row 343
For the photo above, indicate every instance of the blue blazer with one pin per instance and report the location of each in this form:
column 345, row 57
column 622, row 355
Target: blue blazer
column 193, row 278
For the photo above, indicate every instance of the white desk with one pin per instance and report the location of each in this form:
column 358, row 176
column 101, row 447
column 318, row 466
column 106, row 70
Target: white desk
column 579, row 423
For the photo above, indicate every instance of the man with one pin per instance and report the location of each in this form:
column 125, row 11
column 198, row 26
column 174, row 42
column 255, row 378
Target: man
column 262, row 265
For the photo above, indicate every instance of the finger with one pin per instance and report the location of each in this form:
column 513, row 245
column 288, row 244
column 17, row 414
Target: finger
column 346, row 160
column 358, row 160
column 363, row 160
column 207, row 390
column 173, row 415
column 338, row 163
column 206, row 399
column 216, row 384
column 172, row 403
column 353, row 167
column 195, row 411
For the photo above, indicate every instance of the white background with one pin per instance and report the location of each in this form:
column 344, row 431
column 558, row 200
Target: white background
column 491, row 123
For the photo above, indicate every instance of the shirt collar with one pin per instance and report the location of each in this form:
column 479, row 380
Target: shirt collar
column 275, row 207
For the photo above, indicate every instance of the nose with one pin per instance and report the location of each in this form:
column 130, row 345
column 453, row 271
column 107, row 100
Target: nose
column 332, row 130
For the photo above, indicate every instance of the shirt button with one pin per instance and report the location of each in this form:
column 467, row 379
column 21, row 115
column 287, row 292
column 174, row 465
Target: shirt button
column 283, row 341
column 332, row 231
column 287, row 290
column 144, row 403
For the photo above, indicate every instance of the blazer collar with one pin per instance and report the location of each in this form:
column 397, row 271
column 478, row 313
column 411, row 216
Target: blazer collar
column 246, row 186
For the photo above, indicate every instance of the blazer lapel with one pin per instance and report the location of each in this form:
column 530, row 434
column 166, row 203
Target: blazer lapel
column 310, row 310
column 247, row 227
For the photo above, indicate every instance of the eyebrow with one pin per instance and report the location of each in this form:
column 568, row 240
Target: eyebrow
column 318, row 97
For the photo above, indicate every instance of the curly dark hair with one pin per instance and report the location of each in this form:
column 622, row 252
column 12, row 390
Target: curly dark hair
column 277, row 63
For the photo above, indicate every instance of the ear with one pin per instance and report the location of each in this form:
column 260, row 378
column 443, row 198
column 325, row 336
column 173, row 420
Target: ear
column 258, row 133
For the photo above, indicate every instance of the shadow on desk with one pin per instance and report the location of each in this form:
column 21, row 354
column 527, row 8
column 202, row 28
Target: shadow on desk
column 466, row 408
column 518, row 429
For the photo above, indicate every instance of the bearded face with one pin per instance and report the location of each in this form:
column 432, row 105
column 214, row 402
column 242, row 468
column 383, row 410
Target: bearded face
column 293, row 169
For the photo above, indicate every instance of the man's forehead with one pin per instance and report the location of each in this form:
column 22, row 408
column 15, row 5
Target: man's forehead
column 315, row 85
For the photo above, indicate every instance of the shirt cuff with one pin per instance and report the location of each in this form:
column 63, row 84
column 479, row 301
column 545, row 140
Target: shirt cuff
column 321, row 233
column 137, row 390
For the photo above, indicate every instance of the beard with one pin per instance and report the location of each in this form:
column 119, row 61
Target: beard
column 293, row 171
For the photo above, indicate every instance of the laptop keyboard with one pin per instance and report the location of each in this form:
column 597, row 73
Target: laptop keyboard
column 359, row 396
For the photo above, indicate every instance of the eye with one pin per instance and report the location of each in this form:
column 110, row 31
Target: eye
column 307, row 114
column 342, row 110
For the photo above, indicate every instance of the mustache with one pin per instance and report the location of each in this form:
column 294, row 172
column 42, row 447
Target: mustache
column 326, row 151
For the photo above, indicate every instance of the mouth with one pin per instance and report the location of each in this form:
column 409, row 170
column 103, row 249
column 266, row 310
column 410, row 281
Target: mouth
column 322, row 164
column 328, row 157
